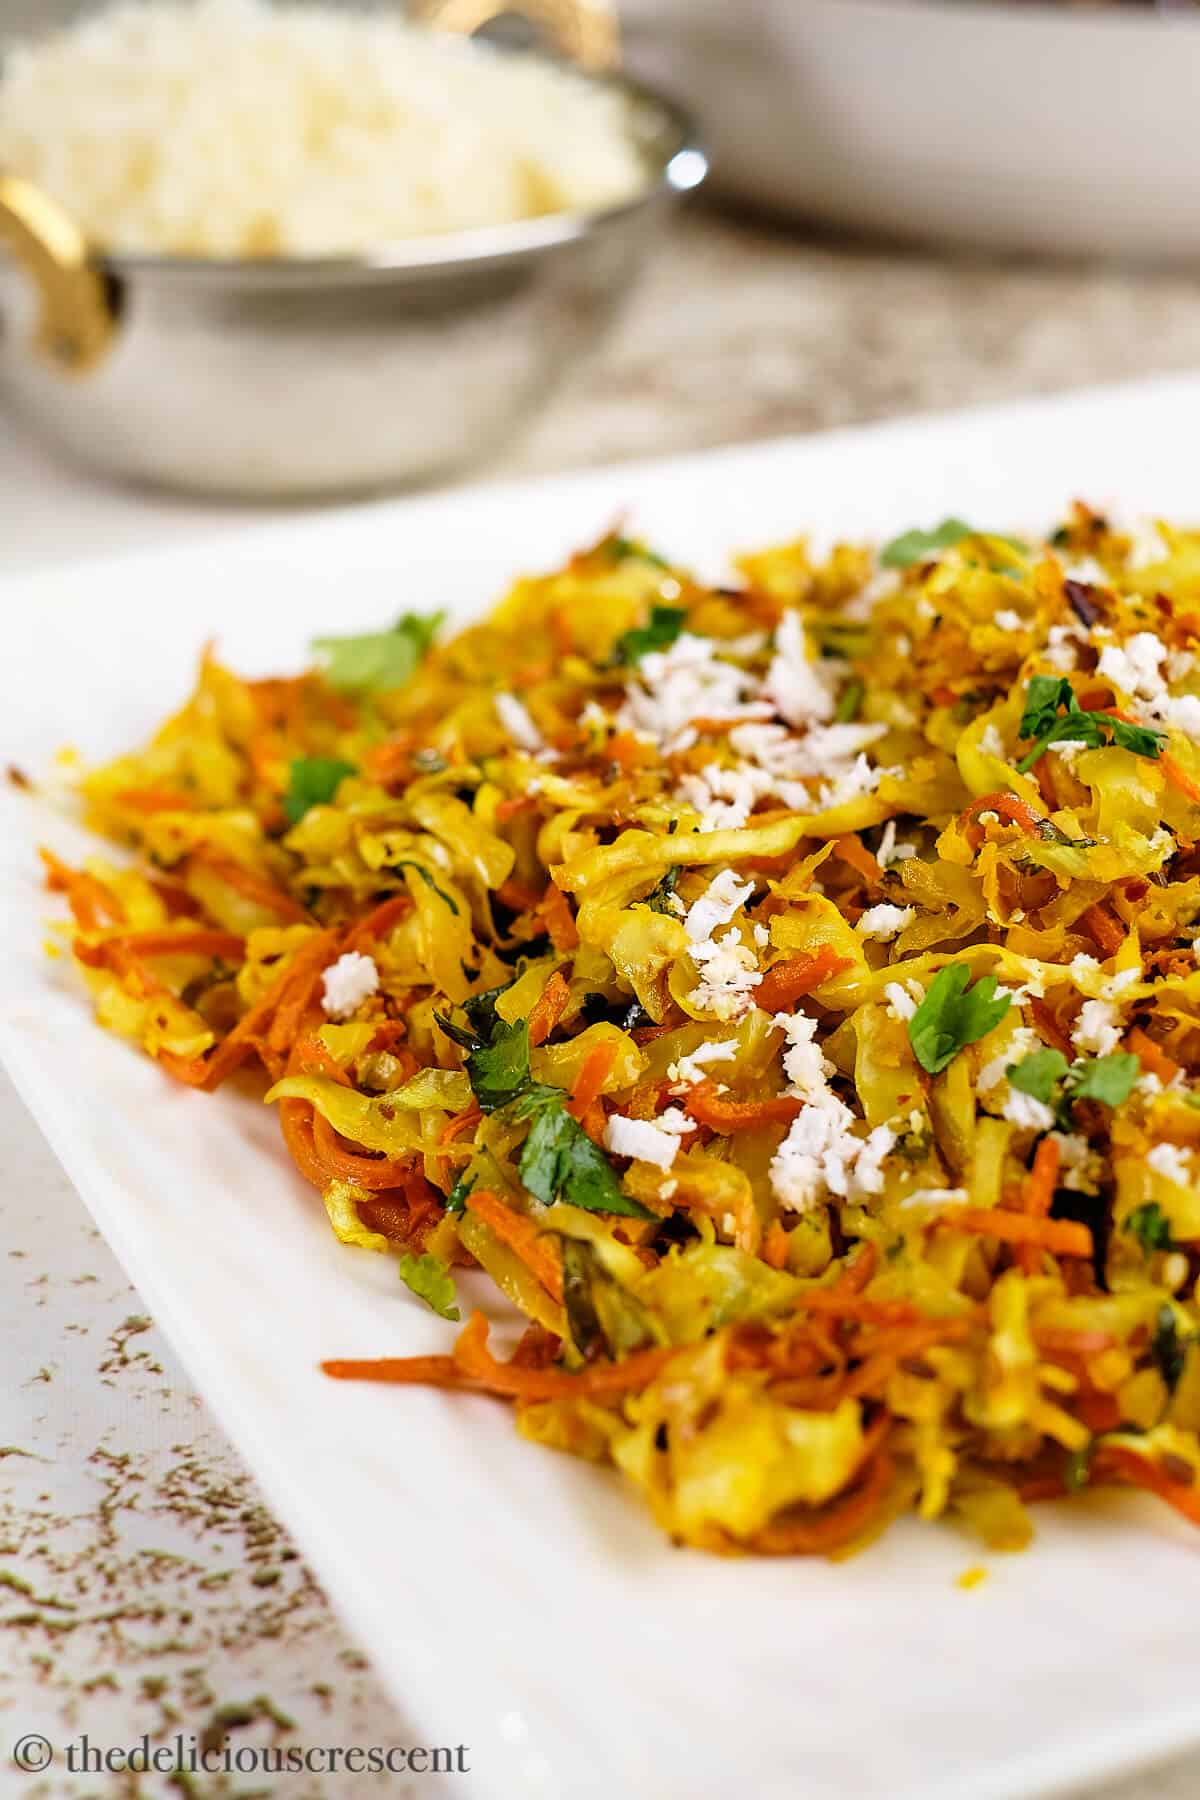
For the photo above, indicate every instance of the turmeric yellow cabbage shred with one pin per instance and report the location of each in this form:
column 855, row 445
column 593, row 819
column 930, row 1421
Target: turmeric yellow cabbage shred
column 799, row 1246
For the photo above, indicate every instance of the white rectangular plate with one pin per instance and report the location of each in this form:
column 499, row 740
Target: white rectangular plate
column 521, row 1602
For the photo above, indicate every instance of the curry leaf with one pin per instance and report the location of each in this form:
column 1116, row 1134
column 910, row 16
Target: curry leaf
column 313, row 781
column 430, row 1280
column 659, row 898
column 953, row 1015
column 378, row 660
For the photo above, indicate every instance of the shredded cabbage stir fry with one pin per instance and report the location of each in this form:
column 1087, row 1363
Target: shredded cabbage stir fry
column 788, row 995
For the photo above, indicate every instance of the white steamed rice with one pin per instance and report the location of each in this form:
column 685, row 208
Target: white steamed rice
column 237, row 128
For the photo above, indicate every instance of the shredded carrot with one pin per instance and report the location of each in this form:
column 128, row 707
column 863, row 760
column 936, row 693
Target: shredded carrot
column 518, row 896
column 1103, row 929
column 200, row 942
column 417, row 1371
column 852, row 850
column 554, row 910
column 1061, row 1237
column 368, row 1171
column 254, row 887
column 90, row 900
column 1007, row 807
column 379, row 921
column 156, row 799
column 857, row 1274
column 243, row 1041
column 707, row 1107
column 1179, row 778
column 775, row 1245
column 472, row 1357
column 785, row 981
column 1142, row 1472
column 629, row 752
column 1037, row 1197
column 823, row 1533
column 1151, row 1055
column 548, row 1008
column 514, row 805
column 594, row 1071
column 1050, row 1028
column 310, row 1053
column 522, row 1236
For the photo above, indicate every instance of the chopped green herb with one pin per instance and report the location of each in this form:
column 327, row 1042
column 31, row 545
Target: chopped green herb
column 499, row 1069
column 851, row 699
column 913, row 546
column 1043, row 721
column 560, row 1162
column 659, row 898
column 430, row 1280
column 1038, row 1074
column 953, row 1015
column 1109, row 1079
column 1150, row 1226
column 313, row 781
column 378, row 660
column 659, row 633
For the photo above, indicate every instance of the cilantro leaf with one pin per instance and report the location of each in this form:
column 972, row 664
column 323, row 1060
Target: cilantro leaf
column 1106, row 1078
column 1150, row 1226
column 313, row 781
column 378, row 660
column 953, row 1015
column 1168, row 1347
column 1043, row 721
column 560, row 1162
column 430, row 1280
column 1038, row 1074
column 659, row 898
column 499, row 1069
column 659, row 633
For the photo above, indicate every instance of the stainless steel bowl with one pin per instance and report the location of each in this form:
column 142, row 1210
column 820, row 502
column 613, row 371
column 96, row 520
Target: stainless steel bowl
column 288, row 378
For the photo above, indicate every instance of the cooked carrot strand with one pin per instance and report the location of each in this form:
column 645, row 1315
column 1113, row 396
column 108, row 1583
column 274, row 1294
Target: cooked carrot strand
column 1037, row 1196
column 1103, row 929
column 1180, row 780
column 853, row 851
column 1061, row 1237
column 472, row 1356
column 522, row 1236
column 253, row 887
column 1152, row 1056
column 707, row 1107
column 1009, row 809
column 548, row 1008
column 785, row 982
column 594, row 1071
column 198, row 942
column 554, row 910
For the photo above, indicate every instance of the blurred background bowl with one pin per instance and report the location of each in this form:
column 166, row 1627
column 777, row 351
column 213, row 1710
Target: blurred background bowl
column 1044, row 128
column 281, row 377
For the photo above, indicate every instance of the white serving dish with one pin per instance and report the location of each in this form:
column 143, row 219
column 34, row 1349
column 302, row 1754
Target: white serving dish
column 1058, row 129
column 522, row 1603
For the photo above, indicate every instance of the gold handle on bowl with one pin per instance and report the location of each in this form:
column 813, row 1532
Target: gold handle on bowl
column 586, row 31
column 76, row 323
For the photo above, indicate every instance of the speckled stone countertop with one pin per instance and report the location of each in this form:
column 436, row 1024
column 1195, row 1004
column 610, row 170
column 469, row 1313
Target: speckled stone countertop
column 144, row 1587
